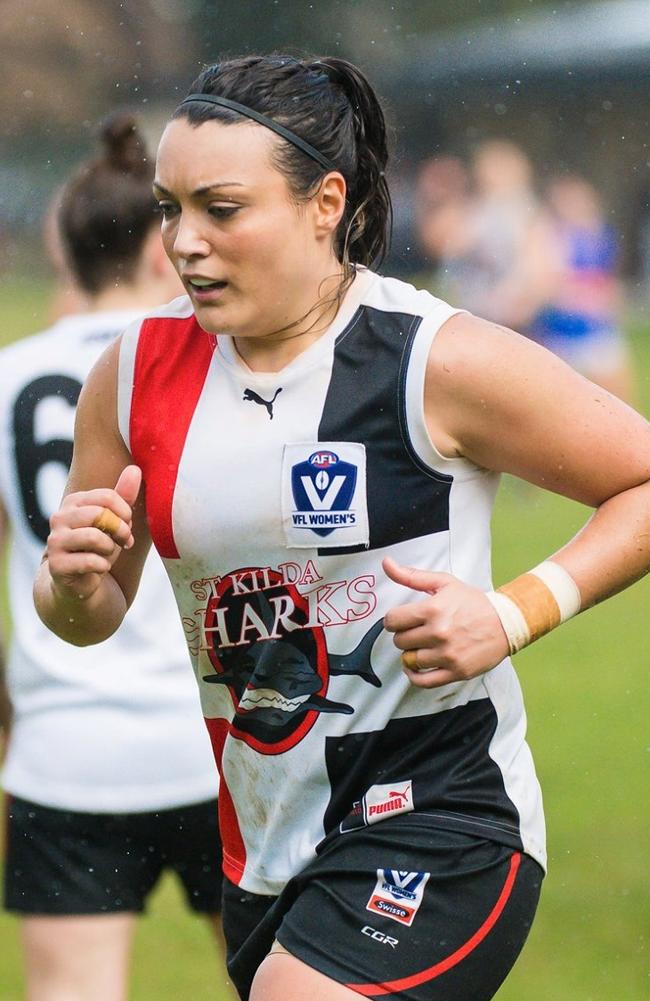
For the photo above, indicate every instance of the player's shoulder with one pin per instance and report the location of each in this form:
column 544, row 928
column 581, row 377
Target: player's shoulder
column 64, row 339
column 179, row 308
column 33, row 345
column 393, row 295
column 159, row 321
column 28, row 357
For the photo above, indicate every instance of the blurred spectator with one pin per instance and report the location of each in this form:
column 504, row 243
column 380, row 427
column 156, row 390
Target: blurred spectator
column 580, row 321
column 442, row 201
column 494, row 246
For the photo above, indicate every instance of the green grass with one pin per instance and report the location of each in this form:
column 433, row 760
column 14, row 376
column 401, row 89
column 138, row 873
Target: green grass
column 588, row 705
column 23, row 307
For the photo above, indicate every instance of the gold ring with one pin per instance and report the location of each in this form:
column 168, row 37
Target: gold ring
column 108, row 522
column 410, row 660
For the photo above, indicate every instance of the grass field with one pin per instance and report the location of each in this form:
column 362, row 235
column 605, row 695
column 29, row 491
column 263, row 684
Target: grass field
column 588, row 704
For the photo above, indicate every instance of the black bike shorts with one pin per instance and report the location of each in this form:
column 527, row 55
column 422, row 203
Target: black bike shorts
column 64, row 862
column 397, row 909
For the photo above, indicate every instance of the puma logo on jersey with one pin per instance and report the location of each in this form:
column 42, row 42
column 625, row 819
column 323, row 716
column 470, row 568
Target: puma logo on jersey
column 250, row 394
column 402, row 797
column 381, row 799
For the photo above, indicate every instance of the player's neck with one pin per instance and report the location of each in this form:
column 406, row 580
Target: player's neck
column 275, row 350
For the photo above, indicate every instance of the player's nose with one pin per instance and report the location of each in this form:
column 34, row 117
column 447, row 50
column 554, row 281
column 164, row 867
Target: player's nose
column 190, row 240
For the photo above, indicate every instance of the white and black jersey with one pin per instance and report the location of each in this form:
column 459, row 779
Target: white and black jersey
column 272, row 498
column 114, row 728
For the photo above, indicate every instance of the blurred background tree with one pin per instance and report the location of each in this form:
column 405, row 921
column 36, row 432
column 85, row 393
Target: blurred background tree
column 564, row 79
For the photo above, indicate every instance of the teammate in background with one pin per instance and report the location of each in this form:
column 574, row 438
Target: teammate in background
column 109, row 774
column 309, row 433
column 581, row 319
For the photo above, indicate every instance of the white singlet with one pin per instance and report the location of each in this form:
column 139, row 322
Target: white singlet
column 272, row 498
column 113, row 728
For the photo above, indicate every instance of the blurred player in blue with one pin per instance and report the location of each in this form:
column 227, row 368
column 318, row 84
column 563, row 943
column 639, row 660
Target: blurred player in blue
column 581, row 320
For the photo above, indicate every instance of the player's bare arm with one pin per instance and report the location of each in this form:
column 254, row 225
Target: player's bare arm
column 99, row 538
column 506, row 404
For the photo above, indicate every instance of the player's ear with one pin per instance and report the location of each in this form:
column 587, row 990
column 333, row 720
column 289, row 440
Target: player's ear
column 329, row 204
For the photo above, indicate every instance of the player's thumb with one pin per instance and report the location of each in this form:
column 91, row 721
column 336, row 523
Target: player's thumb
column 416, row 580
column 128, row 484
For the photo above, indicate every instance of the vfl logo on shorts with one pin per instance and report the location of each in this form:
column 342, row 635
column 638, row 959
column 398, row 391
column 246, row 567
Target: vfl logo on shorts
column 397, row 894
column 324, row 495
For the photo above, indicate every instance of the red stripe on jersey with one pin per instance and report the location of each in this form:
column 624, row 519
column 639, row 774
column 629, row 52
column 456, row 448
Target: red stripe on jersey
column 395, row 986
column 171, row 363
column 234, row 850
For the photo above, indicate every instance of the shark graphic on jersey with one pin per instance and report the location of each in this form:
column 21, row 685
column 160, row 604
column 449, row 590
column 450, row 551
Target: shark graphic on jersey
column 266, row 642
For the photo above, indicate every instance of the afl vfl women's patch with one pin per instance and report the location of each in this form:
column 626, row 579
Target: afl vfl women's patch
column 398, row 895
column 324, row 500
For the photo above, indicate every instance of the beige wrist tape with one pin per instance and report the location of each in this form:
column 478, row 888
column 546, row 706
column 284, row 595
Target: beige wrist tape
column 533, row 604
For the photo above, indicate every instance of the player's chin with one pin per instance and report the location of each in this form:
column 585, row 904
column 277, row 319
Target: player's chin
column 213, row 317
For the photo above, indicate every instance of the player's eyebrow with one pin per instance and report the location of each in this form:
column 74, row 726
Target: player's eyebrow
column 205, row 189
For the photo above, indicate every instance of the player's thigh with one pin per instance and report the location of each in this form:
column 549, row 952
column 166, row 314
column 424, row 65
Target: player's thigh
column 79, row 958
column 283, row 977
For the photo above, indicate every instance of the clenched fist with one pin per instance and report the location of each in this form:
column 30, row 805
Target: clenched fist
column 451, row 633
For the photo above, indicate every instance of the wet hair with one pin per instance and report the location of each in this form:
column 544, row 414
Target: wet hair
column 107, row 208
column 329, row 104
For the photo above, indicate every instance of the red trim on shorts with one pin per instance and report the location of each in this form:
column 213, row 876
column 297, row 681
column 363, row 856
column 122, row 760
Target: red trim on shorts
column 234, row 849
column 171, row 364
column 394, row 986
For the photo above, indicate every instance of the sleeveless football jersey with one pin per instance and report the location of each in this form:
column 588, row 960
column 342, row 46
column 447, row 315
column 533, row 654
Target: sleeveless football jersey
column 272, row 498
column 112, row 728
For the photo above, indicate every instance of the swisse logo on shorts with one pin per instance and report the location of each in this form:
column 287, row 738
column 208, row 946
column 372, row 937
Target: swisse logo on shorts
column 398, row 894
column 324, row 495
column 383, row 800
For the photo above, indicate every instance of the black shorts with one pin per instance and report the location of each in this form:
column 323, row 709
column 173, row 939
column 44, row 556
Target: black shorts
column 63, row 862
column 395, row 909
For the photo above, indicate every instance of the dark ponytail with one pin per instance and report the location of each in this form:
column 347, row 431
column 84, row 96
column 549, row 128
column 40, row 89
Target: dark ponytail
column 368, row 218
column 331, row 105
column 107, row 208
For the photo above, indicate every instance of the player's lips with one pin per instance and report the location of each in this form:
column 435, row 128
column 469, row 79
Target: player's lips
column 204, row 289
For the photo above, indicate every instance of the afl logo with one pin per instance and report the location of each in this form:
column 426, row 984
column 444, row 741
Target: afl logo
column 323, row 459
